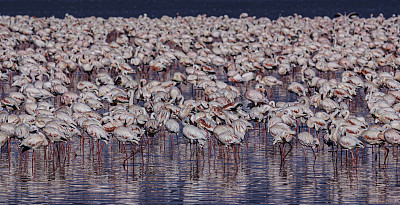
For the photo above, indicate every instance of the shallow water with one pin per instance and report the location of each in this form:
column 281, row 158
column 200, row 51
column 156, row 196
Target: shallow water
column 171, row 171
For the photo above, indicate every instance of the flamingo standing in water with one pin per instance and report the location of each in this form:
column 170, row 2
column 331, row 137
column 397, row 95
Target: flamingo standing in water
column 372, row 136
column 269, row 81
column 172, row 126
column 54, row 135
column 125, row 134
column 97, row 133
column 34, row 141
column 391, row 136
column 194, row 134
column 255, row 96
column 282, row 133
column 349, row 142
column 307, row 140
column 228, row 138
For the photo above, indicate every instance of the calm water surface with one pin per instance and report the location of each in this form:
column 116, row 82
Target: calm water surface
column 174, row 172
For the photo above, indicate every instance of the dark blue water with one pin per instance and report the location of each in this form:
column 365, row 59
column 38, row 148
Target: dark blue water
column 156, row 8
column 175, row 173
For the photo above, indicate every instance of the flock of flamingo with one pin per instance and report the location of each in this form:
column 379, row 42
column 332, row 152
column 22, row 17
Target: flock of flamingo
column 233, row 62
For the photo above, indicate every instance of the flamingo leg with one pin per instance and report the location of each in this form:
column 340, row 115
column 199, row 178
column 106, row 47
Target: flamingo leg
column 386, row 154
column 305, row 156
column 289, row 150
column 315, row 156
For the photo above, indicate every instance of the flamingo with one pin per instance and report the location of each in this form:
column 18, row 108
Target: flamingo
column 356, row 81
column 21, row 131
column 391, row 136
column 282, row 133
column 179, row 77
column 297, row 88
column 80, row 107
column 195, row 135
column 172, row 126
column 97, row 132
column 206, row 123
column 269, row 81
column 219, row 129
column 9, row 103
column 54, row 135
column 317, row 123
column 307, row 140
column 240, row 127
column 8, row 127
column 327, row 104
column 307, row 73
column 255, row 96
column 34, row 141
column 152, row 126
column 18, row 97
column 349, row 142
column 228, row 138
column 372, row 136
column 125, row 134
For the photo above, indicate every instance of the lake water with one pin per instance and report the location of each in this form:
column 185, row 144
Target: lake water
column 156, row 8
column 172, row 171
